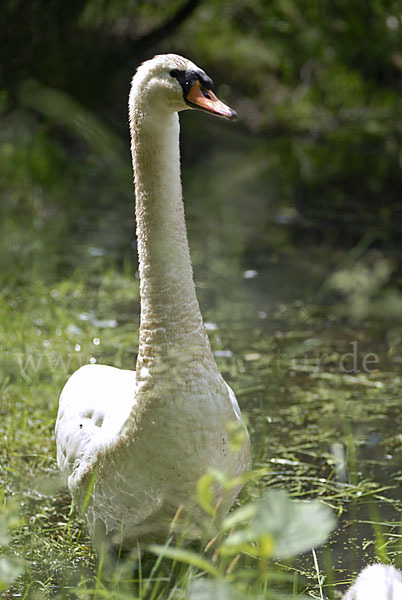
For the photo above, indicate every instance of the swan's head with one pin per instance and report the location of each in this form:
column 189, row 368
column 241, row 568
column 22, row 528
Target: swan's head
column 172, row 83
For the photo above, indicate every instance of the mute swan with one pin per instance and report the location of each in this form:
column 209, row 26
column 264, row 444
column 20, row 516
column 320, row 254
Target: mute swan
column 376, row 582
column 133, row 444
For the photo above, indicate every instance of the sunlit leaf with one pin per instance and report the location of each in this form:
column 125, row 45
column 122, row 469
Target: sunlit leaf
column 185, row 556
column 296, row 526
column 237, row 435
column 240, row 515
column 279, row 527
column 205, row 494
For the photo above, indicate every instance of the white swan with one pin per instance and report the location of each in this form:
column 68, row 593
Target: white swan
column 133, row 444
column 376, row 582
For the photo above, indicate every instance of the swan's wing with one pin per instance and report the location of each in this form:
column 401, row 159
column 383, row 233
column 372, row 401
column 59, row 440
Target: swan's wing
column 94, row 406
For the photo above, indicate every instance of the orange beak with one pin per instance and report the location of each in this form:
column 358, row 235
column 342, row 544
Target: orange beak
column 200, row 97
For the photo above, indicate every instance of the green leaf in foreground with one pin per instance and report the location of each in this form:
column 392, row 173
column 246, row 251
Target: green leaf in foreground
column 10, row 569
column 280, row 528
column 9, row 520
column 185, row 556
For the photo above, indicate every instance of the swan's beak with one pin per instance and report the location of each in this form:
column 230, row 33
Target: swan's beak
column 204, row 99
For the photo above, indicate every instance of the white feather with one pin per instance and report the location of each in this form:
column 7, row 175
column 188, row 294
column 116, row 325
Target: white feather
column 376, row 582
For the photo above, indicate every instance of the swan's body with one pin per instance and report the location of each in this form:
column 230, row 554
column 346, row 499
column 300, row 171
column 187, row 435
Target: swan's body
column 139, row 441
column 376, row 582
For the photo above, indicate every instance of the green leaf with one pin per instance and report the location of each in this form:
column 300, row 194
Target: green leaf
column 280, row 527
column 10, row 569
column 240, row 515
column 296, row 526
column 185, row 556
column 4, row 531
column 205, row 495
column 206, row 488
column 237, row 435
column 9, row 520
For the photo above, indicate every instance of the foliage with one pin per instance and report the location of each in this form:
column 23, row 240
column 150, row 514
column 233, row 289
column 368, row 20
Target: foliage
column 317, row 86
column 273, row 527
column 11, row 567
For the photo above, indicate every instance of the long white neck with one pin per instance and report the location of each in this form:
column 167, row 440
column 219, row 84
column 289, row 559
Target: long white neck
column 171, row 320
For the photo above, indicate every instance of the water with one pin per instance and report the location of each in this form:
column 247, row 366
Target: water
column 322, row 395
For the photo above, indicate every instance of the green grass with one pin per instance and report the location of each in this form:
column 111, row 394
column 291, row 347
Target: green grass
column 311, row 430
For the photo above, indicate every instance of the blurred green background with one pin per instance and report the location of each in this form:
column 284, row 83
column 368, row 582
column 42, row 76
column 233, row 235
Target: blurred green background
column 294, row 216
column 314, row 160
